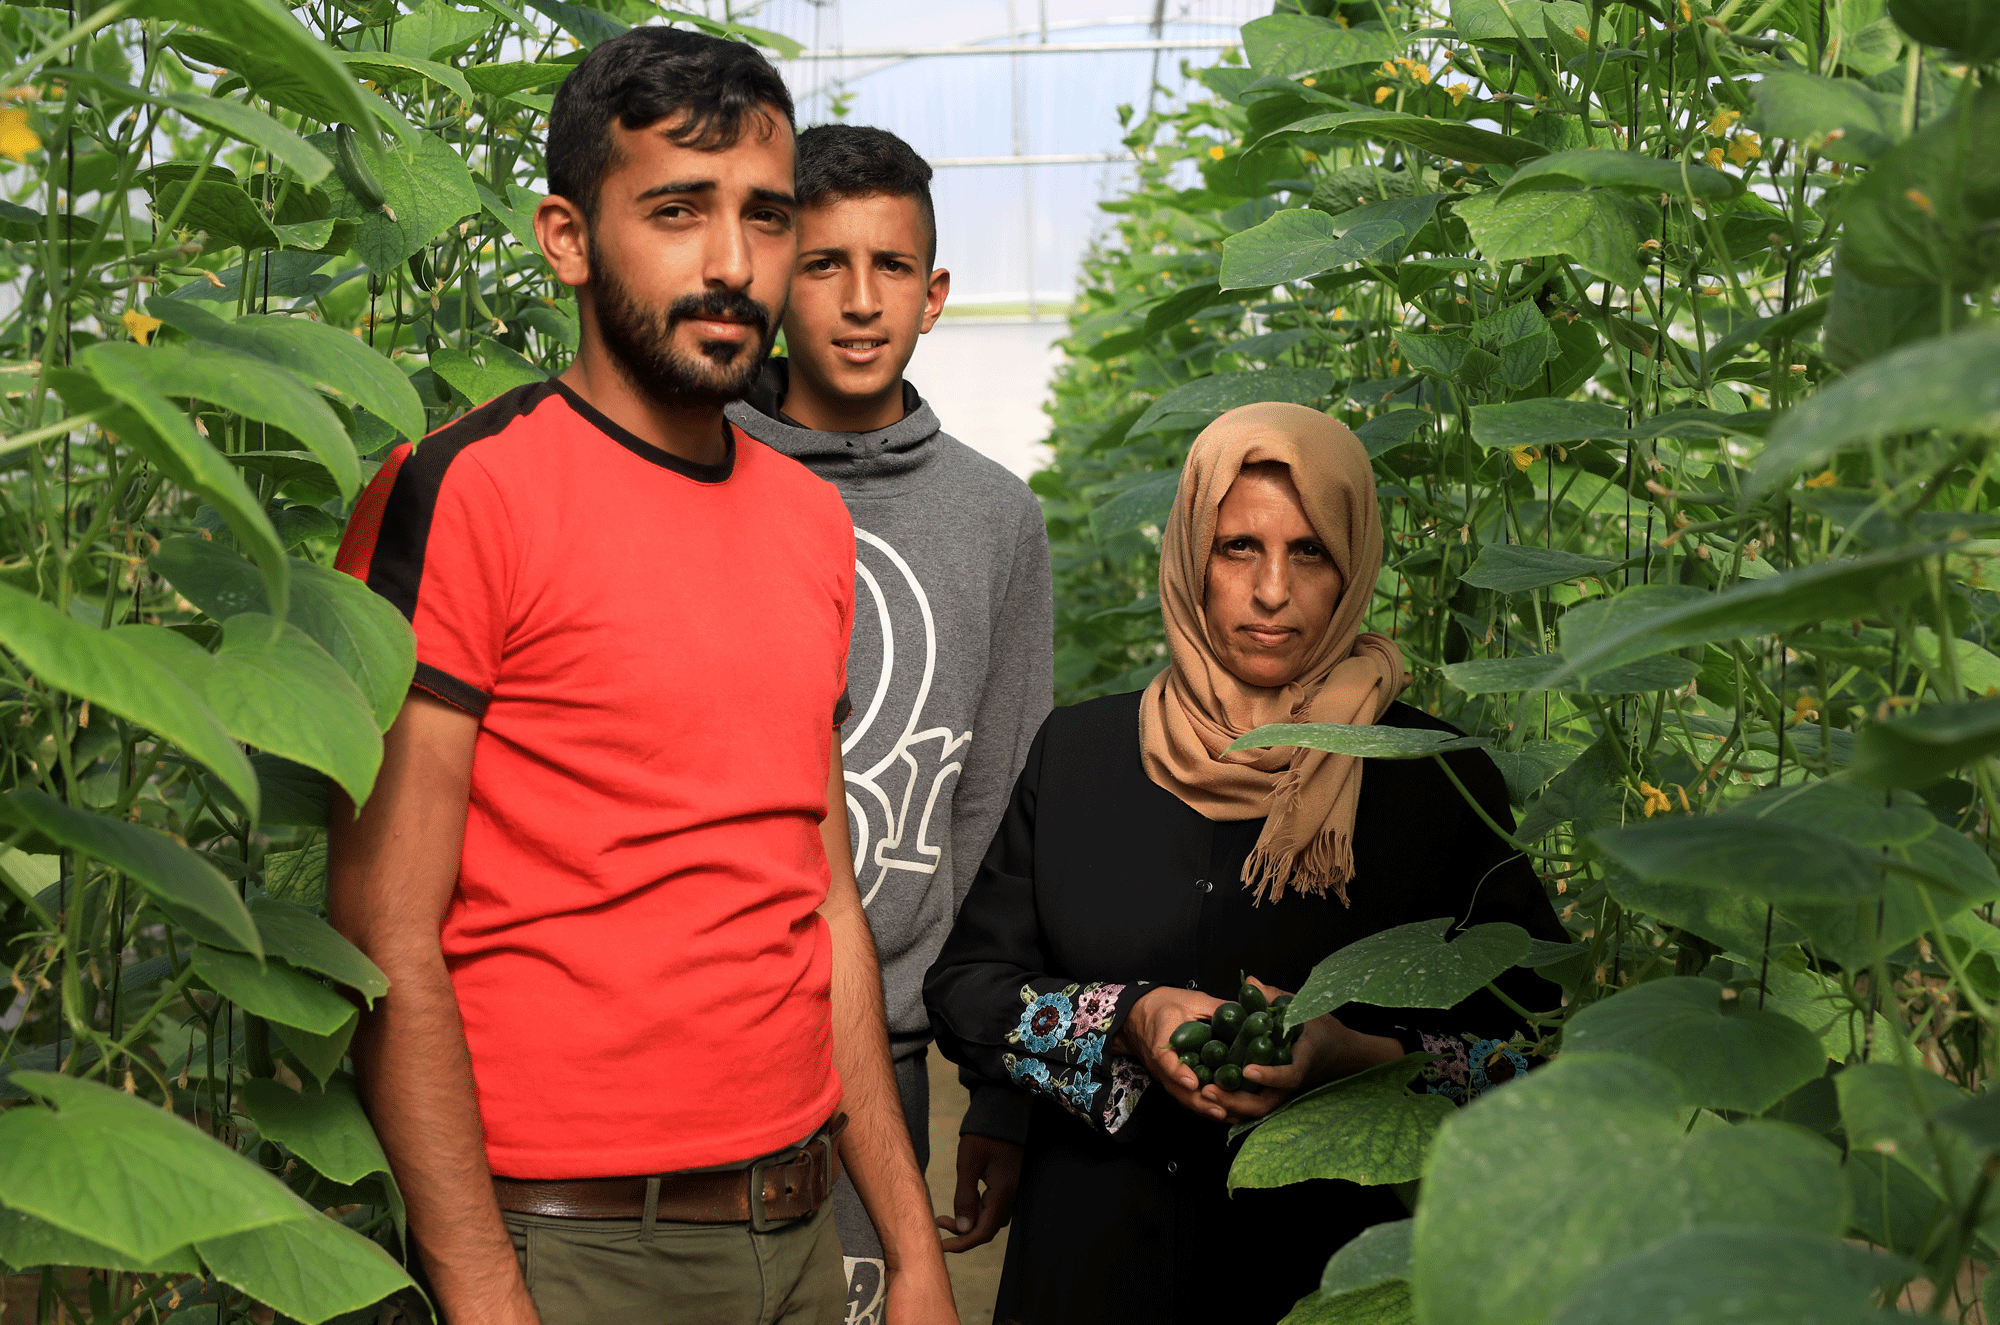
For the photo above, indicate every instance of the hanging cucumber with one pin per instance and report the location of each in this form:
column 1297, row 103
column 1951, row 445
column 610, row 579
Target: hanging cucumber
column 355, row 172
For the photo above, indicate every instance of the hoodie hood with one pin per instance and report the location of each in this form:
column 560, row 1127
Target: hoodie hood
column 899, row 448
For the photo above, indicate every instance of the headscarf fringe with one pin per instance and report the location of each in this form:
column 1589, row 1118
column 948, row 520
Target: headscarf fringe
column 1325, row 864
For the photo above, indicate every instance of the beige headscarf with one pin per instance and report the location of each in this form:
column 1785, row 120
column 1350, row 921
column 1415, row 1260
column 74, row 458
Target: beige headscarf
column 1192, row 711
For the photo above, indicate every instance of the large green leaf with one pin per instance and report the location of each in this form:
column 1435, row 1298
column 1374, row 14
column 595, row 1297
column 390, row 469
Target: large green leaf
column 1487, row 20
column 1918, row 751
column 321, row 1055
column 1454, row 139
column 589, row 26
column 270, row 30
column 428, row 190
column 1595, row 228
column 181, row 881
column 1587, row 795
column 1365, row 1282
column 1747, row 1061
column 1815, row 1001
column 274, row 991
column 1969, row 29
column 1893, row 1207
column 1282, row 45
column 1544, row 423
column 1138, row 506
column 1835, row 590
column 392, row 66
column 1181, row 305
column 1946, row 383
column 98, row 666
column 1887, row 1108
column 1368, row 1128
column 309, row 1267
column 276, row 689
column 326, row 1129
column 1380, row 1253
column 501, row 80
column 1633, row 172
column 1218, row 393
column 1385, row 1303
column 1410, row 966
column 1727, row 919
column 1614, row 1173
column 1738, row 1276
column 480, row 380
column 1863, row 817
column 275, row 79
column 1853, row 934
column 1370, row 742
column 1844, row 119
column 240, row 383
column 1512, row 568
column 1775, row 862
column 1299, row 242
column 365, row 633
column 1925, row 213
column 109, row 1167
column 155, row 427
column 333, row 361
column 27, row 1242
column 1866, row 321
column 237, row 119
column 1497, row 676
column 308, row 942
column 437, row 30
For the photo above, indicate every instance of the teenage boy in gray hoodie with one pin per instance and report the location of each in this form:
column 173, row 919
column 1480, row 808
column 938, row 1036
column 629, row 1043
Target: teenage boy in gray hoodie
column 951, row 666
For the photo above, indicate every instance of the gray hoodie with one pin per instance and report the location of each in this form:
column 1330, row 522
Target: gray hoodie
column 950, row 669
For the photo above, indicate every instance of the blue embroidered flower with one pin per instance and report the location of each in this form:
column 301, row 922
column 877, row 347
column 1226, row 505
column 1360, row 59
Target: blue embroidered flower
column 1029, row 1073
column 1090, row 1052
column 1045, row 1023
column 1081, row 1088
column 1494, row 1063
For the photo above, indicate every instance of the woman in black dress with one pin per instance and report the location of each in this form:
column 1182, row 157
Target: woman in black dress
column 1139, row 868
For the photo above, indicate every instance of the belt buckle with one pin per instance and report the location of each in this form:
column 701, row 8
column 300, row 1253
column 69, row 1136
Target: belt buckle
column 759, row 1221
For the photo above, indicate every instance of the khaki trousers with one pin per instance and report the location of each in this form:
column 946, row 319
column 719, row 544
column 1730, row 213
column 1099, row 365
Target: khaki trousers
column 618, row 1272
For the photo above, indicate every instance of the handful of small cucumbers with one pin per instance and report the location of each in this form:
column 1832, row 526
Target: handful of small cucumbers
column 1249, row 1030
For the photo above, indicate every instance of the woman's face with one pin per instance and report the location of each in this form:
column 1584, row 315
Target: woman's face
column 1272, row 585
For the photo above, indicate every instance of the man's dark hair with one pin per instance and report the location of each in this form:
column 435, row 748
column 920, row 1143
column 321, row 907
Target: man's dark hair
column 716, row 88
column 837, row 161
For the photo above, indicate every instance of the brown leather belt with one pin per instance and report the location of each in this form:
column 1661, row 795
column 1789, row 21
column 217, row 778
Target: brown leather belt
column 791, row 1184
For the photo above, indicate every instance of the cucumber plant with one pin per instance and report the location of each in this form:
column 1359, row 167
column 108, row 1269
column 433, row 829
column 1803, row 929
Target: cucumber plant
column 1670, row 329
column 245, row 248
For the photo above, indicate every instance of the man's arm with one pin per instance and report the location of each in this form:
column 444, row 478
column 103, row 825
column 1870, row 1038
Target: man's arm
column 391, row 873
column 876, row 1146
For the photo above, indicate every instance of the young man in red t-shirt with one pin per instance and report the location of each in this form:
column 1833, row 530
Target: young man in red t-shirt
column 605, row 866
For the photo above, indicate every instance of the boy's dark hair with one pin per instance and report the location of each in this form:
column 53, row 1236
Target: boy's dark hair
column 838, row 161
column 648, row 74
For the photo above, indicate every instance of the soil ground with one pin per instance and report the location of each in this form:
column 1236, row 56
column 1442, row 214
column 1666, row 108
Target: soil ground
column 975, row 1274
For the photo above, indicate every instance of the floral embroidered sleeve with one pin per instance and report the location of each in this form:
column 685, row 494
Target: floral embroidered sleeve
column 1468, row 1065
column 1061, row 1048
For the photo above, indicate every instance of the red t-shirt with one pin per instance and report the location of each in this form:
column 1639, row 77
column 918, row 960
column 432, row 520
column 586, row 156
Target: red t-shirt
column 656, row 652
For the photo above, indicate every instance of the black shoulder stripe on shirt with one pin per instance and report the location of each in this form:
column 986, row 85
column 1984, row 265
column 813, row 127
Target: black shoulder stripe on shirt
column 396, row 570
column 436, row 681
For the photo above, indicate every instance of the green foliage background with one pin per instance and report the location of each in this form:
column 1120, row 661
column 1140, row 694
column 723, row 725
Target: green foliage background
column 244, row 249
column 1670, row 330
column 1668, row 324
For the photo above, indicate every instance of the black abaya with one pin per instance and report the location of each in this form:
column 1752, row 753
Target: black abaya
column 1100, row 885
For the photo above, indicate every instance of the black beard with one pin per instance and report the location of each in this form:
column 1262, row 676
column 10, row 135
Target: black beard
column 641, row 341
